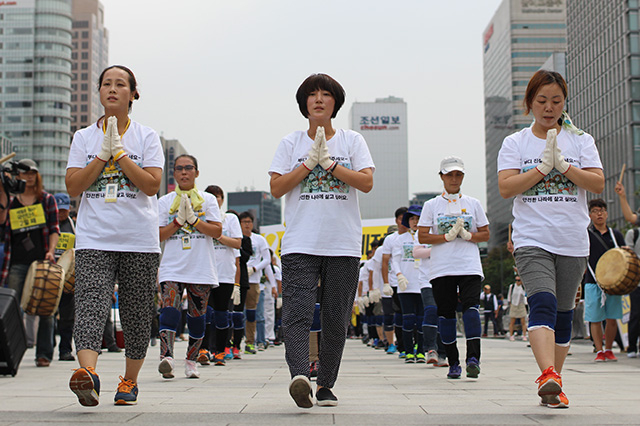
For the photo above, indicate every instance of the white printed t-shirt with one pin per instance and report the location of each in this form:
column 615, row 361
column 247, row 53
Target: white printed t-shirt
column 457, row 257
column 196, row 265
column 553, row 214
column 386, row 248
column 260, row 259
column 226, row 256
column 423, row 265
column 375, row 266
column 322, row 214
column 364, row 277
column 403, row 261
column 131, row 223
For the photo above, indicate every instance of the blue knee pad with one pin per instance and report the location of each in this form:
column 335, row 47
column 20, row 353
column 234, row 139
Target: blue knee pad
column 238, row 320
column 379, row 320
column 397, row 320
column 564, row 322
column 251, row 315
column 472, row 327
column 408, row 322
column 430, row 316
column 387, row 320
column 169, row 319
column 196, row 326
column 221, row 319
column 542, row 310
column 316, row 325
column 447, row 329
column 209, row 315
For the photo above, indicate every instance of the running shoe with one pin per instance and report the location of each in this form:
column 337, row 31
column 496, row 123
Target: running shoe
column 600, row 357
column 300, row 391
column 249, row 349
column 326, row 398
column 549, row 386
column 432, row 357
column 402, row 354
column 236, row 353
column 219, row 358
column 85, row 383
column 313, row 369
column 191, row 369
column 127, row 393
column 373, row 343
column 410, row 359
column 166, row 367
column 381, row 344
column 392, row 349
column 473, row 368
column 609, row 356
column 420, row 358
column 261, row 347
column 204, row 357
column 442, row 362
column 227, row 353
column 455, row 371
column 632, row 354
column 564, row 402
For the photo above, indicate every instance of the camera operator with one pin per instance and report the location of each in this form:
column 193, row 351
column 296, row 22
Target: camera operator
column 31, row 234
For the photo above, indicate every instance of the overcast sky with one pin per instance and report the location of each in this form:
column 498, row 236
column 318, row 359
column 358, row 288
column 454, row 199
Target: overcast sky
column 221, row 76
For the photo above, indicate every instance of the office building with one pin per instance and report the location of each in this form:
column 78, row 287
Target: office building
column 266, row 209
column 419, row 198
column 35, row 83
column 520, row 38
column 172, row 150
column 603, row 69
column 90, row 50
column 383, row 124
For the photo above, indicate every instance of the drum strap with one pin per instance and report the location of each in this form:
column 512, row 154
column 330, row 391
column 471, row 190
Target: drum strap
column 603, row 297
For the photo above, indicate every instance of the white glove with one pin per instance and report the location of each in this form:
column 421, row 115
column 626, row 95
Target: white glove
column 375, row 296
column 105, row 149
column 387, row 290
column 312, row 156
column 365, row 301
column 361, row 306
column 181, row 217
column 251, row 270
column 117, row 149
column 191, row 217
column 403, row 282
column 279, row 302
column 548, row 154
column 465, row 235
column 559, row 162
column 324, row 159
column 235, row 295
column 455, row 230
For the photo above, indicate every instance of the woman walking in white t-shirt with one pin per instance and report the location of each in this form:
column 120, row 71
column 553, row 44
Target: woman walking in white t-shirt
column 319, row 171
column 548, row 167
column 116, row 165
column 189, row 220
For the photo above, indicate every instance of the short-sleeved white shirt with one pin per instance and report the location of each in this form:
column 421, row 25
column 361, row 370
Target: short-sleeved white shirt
column 322, row 215
column 403, row 261
column 195, row 265
column 226, row 256
column 375, row 266
column 131, row 223
column 423, row 265
column 553, row 214
column 457, row 257
column 260, row 258
column 386, row 249
column 364, row 276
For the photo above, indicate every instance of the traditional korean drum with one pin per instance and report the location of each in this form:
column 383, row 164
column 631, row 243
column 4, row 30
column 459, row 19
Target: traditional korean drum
column 42, row 288
column 618, row 271
column 68, row 262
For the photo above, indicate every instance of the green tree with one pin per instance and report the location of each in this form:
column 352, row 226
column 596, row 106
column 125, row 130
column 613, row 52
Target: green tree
column 498, row 269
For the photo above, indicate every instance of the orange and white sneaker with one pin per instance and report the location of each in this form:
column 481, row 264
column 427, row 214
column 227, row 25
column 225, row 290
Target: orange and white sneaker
column 203, row 357
column 549, row 386
column 564, row 402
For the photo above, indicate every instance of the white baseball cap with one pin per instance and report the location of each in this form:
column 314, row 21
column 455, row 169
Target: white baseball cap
column 449, row 164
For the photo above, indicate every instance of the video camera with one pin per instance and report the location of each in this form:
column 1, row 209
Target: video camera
column 10, row 183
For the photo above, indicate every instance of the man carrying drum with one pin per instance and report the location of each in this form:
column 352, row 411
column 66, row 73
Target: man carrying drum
column 600, row 306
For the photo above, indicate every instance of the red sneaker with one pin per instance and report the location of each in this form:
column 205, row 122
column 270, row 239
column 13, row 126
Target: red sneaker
column 236, row 353
column 600, row 357
column 609, row 356
column 549, row 386
column 564, row 402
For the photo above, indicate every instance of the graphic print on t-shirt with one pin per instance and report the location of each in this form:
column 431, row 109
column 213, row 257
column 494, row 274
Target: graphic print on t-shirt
column 407, row 252
column 112, row 173
column 446, row 222
column 555, row 183
column 319, row 180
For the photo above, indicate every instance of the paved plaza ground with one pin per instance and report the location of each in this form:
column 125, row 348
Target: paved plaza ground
column 373, row 389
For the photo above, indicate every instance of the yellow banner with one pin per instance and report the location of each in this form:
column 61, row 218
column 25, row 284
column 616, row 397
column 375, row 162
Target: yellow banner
column 26, row 218
column 66, row 241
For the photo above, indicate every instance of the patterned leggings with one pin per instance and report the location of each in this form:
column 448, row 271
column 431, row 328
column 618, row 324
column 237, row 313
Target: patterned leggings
column 97, row 271
column 339, row 281
column 197, row 296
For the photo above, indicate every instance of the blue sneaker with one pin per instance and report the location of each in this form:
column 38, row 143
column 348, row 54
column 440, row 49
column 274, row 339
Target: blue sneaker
column 402, row 354
column 454, row 371
column 473, row 368
column 85, row 383
column 392, row 349
column 127, row 393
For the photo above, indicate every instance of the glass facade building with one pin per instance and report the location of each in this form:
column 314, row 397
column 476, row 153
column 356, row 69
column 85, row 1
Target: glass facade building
column 35, row 83
column 520, row 38
column 265, row 209
column 603, row 69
